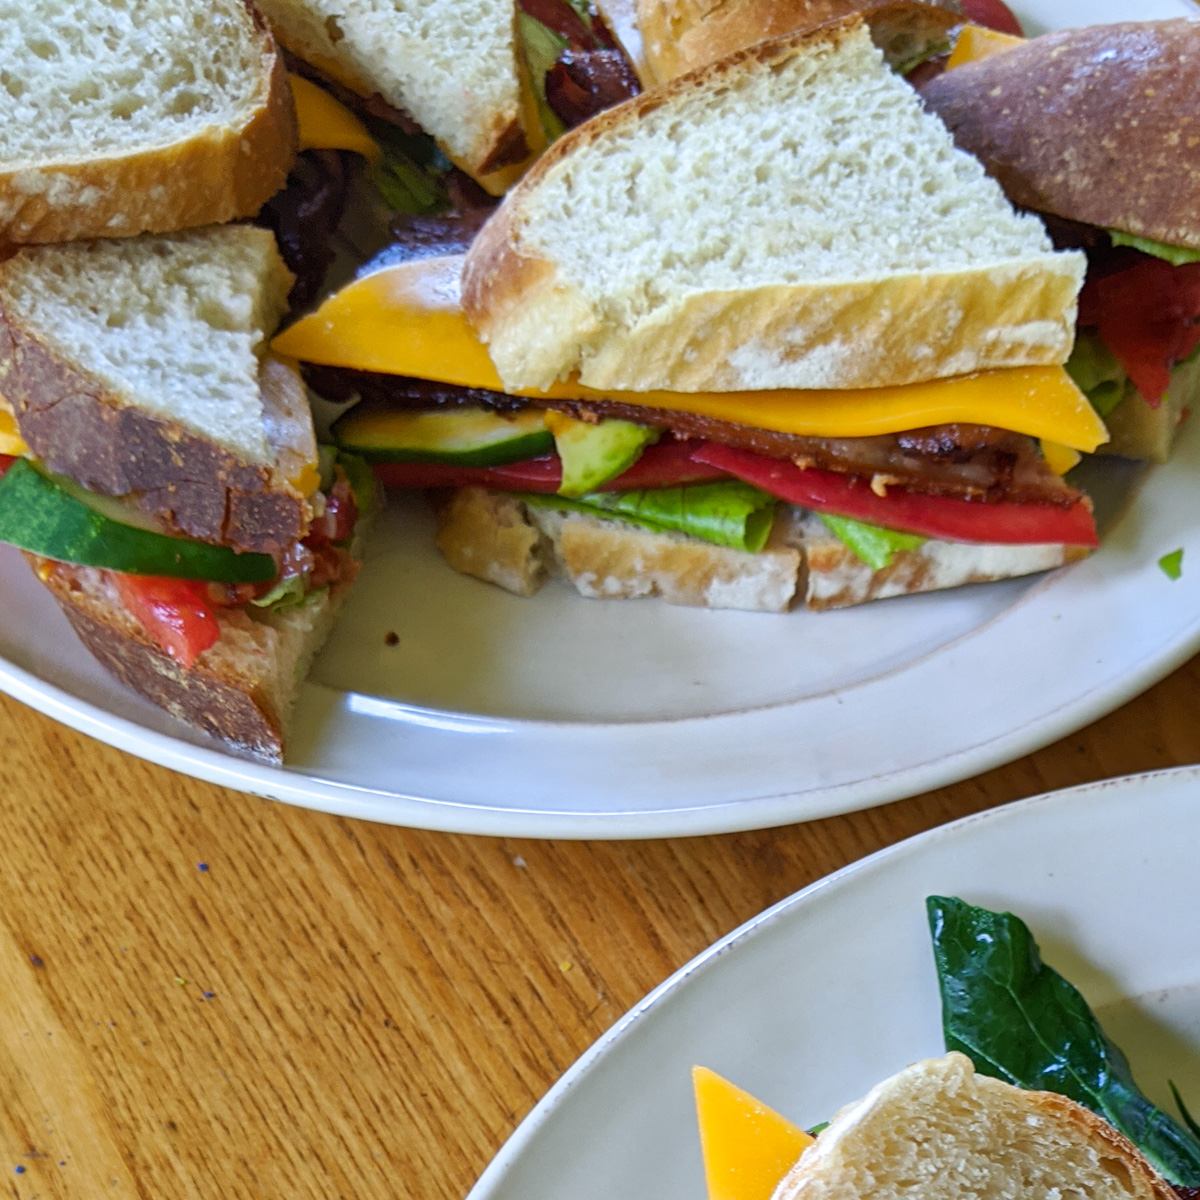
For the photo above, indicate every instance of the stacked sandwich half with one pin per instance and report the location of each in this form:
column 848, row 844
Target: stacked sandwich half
column 160, row 466
column 759, row 334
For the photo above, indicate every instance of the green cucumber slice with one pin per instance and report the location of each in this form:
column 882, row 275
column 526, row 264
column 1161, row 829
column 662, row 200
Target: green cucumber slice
column 56, row 518
column 462, row 437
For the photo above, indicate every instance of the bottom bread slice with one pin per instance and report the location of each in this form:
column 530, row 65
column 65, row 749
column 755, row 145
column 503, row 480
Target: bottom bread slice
column 498, row 538
column 241, row 690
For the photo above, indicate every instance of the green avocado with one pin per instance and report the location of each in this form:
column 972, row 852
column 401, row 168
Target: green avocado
column 593, row 454
column 55, row 517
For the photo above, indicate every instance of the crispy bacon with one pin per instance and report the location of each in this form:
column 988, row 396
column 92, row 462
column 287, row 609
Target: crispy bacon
column 583, row 83
column 972, row 461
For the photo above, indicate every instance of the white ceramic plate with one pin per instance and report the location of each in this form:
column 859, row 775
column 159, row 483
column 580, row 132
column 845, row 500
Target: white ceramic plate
column 816, row 1000
column 567, row 717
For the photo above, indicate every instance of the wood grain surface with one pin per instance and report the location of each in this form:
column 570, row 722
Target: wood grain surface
column 340, row 1010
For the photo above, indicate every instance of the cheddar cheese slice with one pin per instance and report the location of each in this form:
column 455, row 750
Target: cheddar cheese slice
column 976, row 42
column 748, row 1148
column 407, row 320
column 327, row 124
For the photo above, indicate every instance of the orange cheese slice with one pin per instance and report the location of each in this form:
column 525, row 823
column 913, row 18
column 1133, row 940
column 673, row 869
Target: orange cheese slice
column 408, row 320
column 748, row 1148
column 976, row 42
column 11, row 441
column 327, row 124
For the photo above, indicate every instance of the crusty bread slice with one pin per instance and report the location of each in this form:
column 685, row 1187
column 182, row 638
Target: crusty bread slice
column 449, row 64
column 241, row 690
column 939, row 1131
column 1092, row 124
column 117, row 119
column 139, row 366
column 495, row 537
column 681, row 35
column 789, row 217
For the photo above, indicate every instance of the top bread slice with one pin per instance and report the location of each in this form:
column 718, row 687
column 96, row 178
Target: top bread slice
column 119, row 119
column 139, row 367
column 939, row 1131
column 1098, row 125
column 683, row 35
column 451, row 65
column 787, row 218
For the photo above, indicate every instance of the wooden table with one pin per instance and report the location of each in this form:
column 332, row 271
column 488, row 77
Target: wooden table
column 208, row 995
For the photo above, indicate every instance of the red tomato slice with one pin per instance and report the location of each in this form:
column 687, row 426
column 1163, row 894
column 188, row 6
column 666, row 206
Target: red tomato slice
column 6, row 461
column 1147, row 316
column 668, row 463
column 175, row 613
column 946, row 517
column 994, row 14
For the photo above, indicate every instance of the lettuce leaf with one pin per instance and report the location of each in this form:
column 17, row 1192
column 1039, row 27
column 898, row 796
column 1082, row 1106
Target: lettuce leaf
column 1175, row 255
column 726, row 513
column 873, row 544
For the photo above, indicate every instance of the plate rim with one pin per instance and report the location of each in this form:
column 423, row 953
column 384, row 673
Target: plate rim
column 493, row 1174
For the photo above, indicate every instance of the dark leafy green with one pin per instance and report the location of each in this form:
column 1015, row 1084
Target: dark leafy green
column 1021, row 1021
column 726, row 513
column 873, row 544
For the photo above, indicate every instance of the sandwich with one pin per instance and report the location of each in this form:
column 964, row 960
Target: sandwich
column 162, row 476
column 936, row 1129
column 118, row 120
column 819, row 364
column 1090, row 129
column 483, row 85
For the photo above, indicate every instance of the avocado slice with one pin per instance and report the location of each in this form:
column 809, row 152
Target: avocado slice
column 56, row 518
column 463, row 437
column 592, row 454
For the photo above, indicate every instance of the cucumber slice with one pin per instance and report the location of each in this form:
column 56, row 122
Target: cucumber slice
column 58, row 519
column 463, row 437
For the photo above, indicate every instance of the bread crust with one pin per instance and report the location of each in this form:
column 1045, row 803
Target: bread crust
column 682, row 35
column 222, row 705
column 218, row 175
column 80, row 428
column 857, row 334
column 1100, row 125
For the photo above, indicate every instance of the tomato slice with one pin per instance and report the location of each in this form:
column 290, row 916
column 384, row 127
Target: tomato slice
column 994, row 14
column 1147, row 316
column 943, row 517
column 668, row 463
column 176, row 613
column 6, row 461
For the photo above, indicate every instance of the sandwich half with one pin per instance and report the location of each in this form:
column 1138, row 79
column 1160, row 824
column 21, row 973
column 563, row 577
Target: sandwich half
column 162, row 475
column 118, row 119
column 1089, row 127
column 696, row 339
column 935, row 1129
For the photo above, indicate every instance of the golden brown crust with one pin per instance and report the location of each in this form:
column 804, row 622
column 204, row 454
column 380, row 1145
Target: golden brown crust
column 682, row 35
column 487, row 535
column 221, row 704
column 219, row 175
column 79, row 428
column 1099, row 125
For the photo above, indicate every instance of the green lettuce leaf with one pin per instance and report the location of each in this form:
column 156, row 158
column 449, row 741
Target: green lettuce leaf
column 874, row 544
column 541, row 47
column 1175, row 255
column 408, row 187
column 287, row 593
column 726, row 513
column 1020, row 1021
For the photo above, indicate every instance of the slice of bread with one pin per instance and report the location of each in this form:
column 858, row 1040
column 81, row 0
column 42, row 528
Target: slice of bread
column 1089, row 124
column 139, row 366
column 241, row 690
column 939, row 1131
column 449, row 64
column 682, row 35
column 789, row 217
column 496, row 537
column 118, row 119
